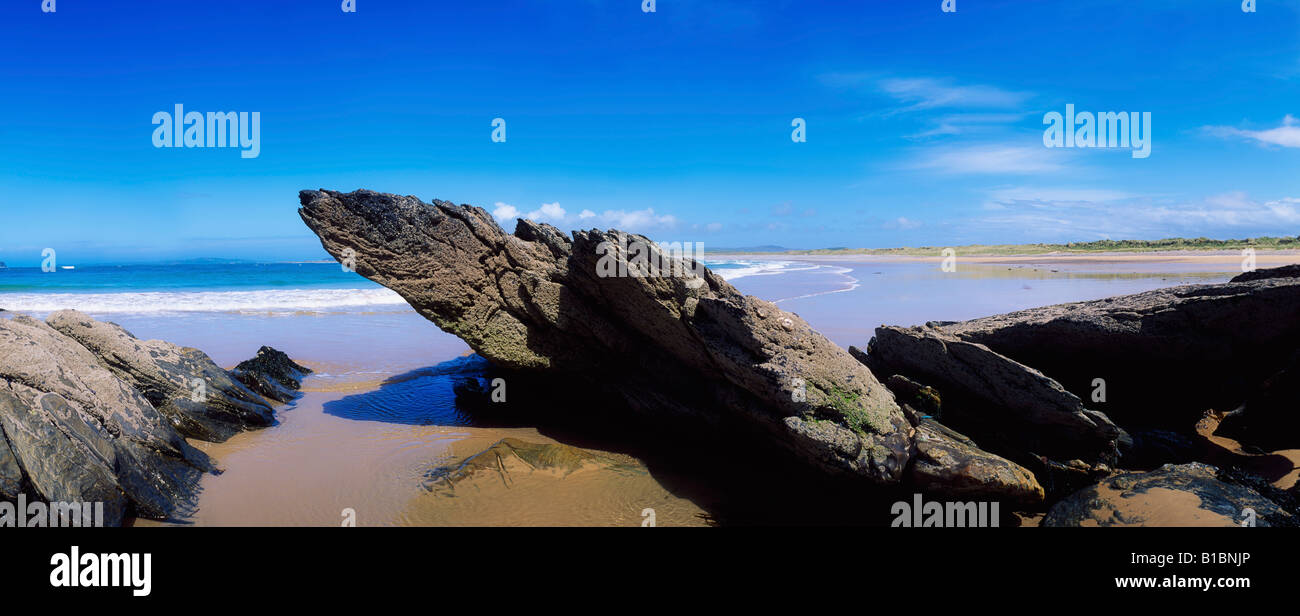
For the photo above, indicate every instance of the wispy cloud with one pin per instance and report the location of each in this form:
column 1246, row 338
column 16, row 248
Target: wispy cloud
column 1070, row 214
column 989, row 159
column 963, row 123
column 925, row 93
column 1287, row 135
column 901, row 223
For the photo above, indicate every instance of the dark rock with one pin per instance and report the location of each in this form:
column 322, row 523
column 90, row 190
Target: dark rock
column 1164, row 356
column 81, row 434
column 921, row 397
column 60, row 465
column 1152, row 448
column 1285, row 271
column 1270, row 417
column 199, row 398
column 1288, row 500
column 272, row 374
column 951, row 465
column 1064, row 478
column 1015, row 410
column 682, row 344
column 11, row 475
column 1173, row 495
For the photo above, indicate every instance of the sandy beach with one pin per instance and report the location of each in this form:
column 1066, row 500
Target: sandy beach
column 320, row 459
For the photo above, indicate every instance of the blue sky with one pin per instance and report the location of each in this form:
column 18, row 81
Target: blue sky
column 923, row 127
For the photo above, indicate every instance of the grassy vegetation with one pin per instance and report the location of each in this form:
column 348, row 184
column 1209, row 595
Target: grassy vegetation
column 849, row 405
column 1099, row 246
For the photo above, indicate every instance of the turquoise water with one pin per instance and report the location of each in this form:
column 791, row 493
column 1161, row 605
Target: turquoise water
column 211, row 277
column 275, row 288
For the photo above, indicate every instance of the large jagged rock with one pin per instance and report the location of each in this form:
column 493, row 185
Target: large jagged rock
column 80, row 434
column 1172, row 495
column 1163, row 357
column 199, row 398
column 1011, row 405
column 688, row 345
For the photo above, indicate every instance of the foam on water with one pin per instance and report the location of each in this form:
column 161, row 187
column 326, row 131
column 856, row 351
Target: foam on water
column 172, row 302
column 732, row 269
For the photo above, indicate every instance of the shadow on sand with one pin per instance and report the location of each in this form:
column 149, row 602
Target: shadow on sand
column 721, row 471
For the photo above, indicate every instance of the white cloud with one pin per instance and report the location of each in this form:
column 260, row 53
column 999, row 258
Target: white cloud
column 638, row 221
column 1287, row 135
column 549, row 212
column 505, row 211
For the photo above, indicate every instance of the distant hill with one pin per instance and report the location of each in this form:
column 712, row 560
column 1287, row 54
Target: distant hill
column 207, row 261
column 751, row 249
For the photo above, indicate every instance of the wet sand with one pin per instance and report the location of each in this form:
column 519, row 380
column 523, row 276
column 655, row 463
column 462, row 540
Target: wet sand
column 309, row 468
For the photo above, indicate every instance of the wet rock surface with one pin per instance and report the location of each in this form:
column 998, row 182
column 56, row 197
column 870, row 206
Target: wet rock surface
column 77, row 424
column 272, row 374
column 200, row 399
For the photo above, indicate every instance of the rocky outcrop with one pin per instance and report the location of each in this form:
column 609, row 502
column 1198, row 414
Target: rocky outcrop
column 78, row 423
column 1160, row 358
column 612, row 310
column 1173, row 495
column 80, row 434
column 618, row 313
column 272, row 374
column 1024, row 412
column 1285, row 271
column 200, row 399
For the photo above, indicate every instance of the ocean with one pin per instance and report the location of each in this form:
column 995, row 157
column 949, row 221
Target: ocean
column 255, row 288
